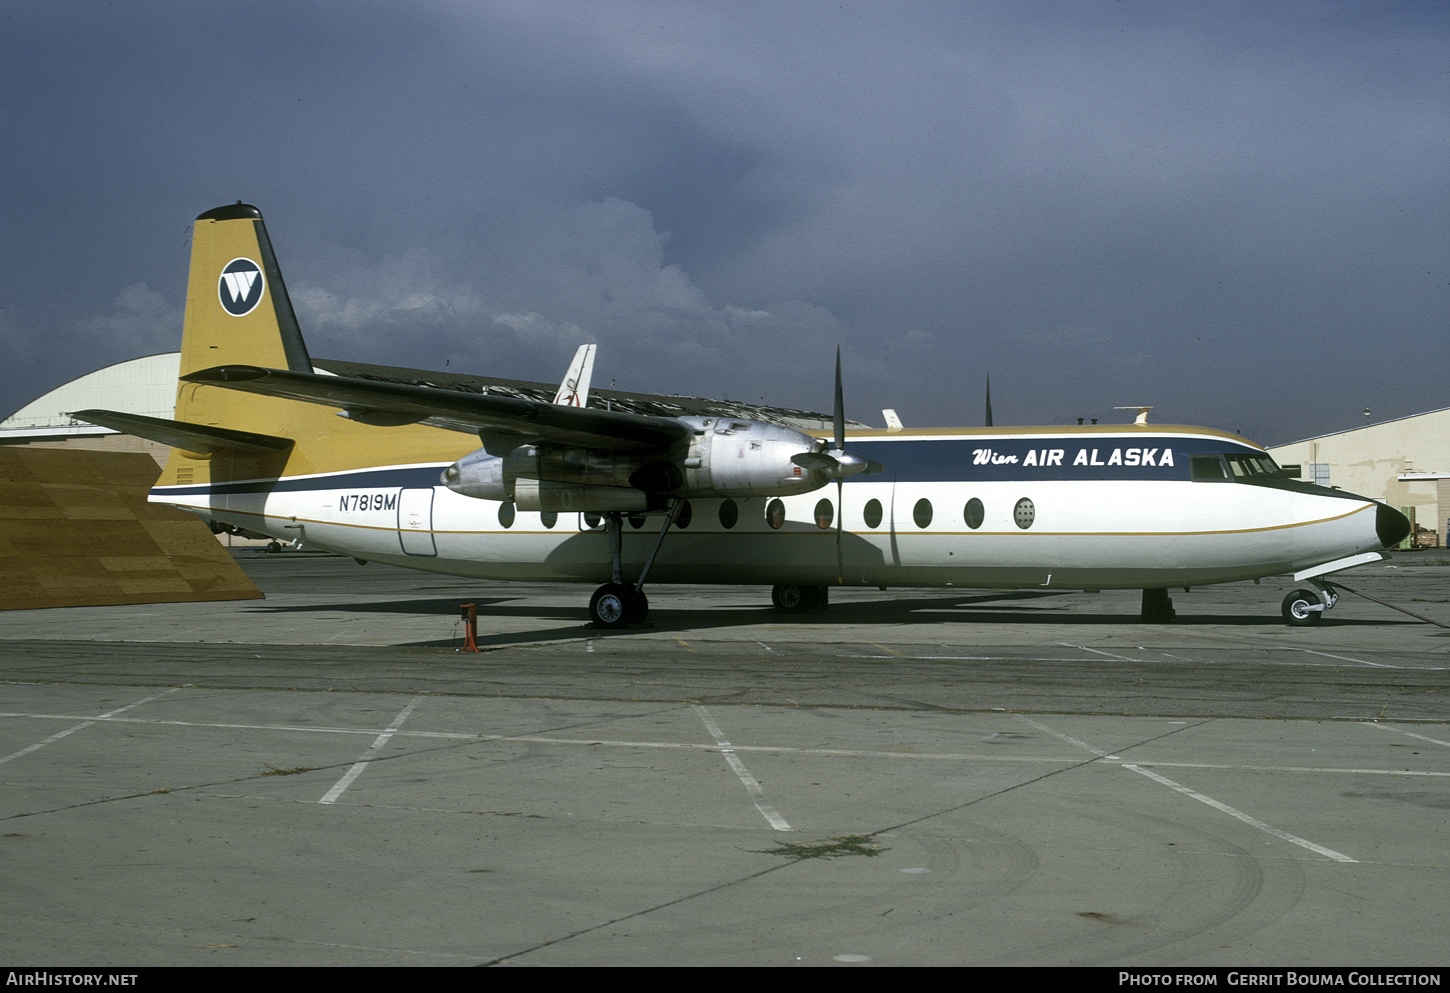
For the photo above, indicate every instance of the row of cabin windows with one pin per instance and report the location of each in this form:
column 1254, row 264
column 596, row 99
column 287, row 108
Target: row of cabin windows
column 974, row 513
column 1204, row 468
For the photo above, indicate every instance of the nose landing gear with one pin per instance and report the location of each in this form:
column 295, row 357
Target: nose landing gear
column 1305, row 608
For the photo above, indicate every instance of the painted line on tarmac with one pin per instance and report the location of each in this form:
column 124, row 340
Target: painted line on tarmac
column 1111, row 655
column 84, row 724
column 1067, row 738
column 1252, row 822
column 1327, row 770
column 357, row 769
column 757, row 794
column 1346, row 658
column 857, row 753
column 1408, row 734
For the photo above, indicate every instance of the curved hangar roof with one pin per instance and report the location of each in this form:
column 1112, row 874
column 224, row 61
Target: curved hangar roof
column 140, row 386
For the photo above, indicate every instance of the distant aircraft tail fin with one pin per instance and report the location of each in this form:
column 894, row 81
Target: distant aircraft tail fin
column 574, row 390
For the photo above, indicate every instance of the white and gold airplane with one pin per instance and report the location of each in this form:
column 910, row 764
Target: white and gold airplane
column 394, row 473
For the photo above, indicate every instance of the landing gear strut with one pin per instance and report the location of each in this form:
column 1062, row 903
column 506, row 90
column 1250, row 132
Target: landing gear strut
column 800, row 599
column 618, row 604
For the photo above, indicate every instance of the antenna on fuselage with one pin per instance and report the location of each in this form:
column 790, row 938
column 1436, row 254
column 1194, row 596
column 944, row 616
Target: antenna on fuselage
column 1142, row 413
column 989, row 399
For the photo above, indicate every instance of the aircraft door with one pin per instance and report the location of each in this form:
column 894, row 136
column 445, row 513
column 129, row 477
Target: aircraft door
column 415, row 522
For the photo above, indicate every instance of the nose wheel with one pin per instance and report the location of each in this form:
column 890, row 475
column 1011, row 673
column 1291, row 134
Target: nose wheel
column 1302, row 609
column 1305, row 608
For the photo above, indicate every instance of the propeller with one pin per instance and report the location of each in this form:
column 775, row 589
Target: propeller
column 837, row 463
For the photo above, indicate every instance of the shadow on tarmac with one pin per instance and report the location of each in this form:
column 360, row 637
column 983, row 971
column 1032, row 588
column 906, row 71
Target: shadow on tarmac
column 894, row 610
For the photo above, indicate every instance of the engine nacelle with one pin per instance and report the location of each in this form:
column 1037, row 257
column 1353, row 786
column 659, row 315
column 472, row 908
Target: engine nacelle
column 722, row 457
column 739, row 458
column 479, row 475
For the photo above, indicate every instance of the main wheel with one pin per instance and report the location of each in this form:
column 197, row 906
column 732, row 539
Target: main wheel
column 799, row 599
column 790, row 598
column 1302, row 609
column 612, row 604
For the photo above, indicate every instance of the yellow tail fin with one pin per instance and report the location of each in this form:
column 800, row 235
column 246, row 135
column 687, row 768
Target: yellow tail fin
column 237, row 311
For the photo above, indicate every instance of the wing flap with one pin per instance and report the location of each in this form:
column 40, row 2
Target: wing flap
column 529, row 420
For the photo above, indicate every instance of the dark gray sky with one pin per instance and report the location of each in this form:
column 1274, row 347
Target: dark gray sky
column 1236, row 212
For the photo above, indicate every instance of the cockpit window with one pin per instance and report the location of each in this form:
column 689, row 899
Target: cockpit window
column 1207, row 468
column 1246, row 466
column 1235, row 466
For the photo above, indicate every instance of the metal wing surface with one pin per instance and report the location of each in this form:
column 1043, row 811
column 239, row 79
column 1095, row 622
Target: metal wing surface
column 511, row 420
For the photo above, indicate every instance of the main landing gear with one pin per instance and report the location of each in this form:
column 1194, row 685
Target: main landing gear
column 1305, row 608
column 618, row 604
column 800, row 599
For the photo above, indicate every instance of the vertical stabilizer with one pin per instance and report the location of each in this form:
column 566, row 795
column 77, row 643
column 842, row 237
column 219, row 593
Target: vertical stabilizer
column 237, row 308
column 238, row 313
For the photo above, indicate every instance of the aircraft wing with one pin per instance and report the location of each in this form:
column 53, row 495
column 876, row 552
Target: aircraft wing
column 503, row 423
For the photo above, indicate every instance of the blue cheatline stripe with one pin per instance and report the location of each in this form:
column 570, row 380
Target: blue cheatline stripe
column 926, row 460
column 412, row 476
column 987, row 459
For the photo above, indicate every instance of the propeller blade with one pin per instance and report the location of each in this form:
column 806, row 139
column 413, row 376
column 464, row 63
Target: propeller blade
column 840, row 523
column 840, row 437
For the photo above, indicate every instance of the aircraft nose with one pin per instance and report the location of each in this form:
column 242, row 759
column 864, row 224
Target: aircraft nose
column 1391, row 526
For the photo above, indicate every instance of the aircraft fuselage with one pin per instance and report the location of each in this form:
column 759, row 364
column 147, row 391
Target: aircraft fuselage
column 1100, row 508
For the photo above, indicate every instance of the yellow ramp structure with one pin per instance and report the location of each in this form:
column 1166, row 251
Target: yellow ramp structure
column 76, row 531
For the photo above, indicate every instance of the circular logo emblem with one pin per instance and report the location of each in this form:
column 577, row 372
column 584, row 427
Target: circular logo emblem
column 240, row 288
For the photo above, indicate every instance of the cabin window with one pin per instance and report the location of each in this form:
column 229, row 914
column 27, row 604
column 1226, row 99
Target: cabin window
column 592, row 521
column 636, row 520
column 683, row 514
column 1024, row 513
column 506, row 514
column 729, row 514
column 974, row 513
column 549, row 518
column 825, row 514
column 1207, row 469
column 921, row 513
column 775, row 514
column 872, row 514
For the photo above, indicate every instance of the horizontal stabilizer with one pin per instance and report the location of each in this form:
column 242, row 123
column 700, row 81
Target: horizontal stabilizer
column 528, row 420
column 202, row 438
